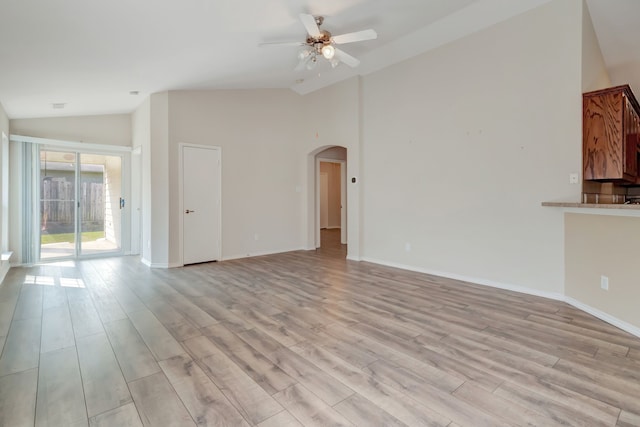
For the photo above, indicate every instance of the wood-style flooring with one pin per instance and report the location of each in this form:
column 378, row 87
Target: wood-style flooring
column 302, row 338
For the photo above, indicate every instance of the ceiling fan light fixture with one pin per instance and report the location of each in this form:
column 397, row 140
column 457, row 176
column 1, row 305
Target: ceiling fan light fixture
column 328, row 51
column 311, row 64
column 304, row 54
column 320, row 43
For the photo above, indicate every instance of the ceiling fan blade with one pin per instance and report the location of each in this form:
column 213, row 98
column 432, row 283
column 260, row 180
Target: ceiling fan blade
column 346, row 58
column 310, row 24
column 282, row 44
column 355, row 37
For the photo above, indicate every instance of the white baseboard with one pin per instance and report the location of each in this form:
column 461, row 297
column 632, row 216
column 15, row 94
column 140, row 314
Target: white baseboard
column 263, row 253
column 506, row 286
column 159, row 265
column 154, row 264
column 627, row 327
column 355, row 258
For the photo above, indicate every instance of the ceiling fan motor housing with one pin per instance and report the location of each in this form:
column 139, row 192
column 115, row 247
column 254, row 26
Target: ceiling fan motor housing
column 323, row 39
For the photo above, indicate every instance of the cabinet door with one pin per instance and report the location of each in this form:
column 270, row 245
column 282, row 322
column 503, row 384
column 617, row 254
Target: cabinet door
column 603, row 136
column 634, row 144
column 631, row 140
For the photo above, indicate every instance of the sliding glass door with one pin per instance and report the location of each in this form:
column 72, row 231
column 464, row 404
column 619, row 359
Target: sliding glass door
column 100, row 202
column 57, row 204
column 80, row 204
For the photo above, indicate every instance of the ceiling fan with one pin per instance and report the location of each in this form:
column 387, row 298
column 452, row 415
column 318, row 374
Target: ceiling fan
column 320, row 43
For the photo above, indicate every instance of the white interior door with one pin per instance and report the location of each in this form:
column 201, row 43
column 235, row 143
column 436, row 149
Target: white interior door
column 201, row 204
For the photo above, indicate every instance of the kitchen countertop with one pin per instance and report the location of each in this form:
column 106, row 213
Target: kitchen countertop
column 591, row 205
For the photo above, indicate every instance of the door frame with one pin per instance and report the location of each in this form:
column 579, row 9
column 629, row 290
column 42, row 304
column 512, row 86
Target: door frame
column 181, row 146
column 125, row 223
column 324, row 204
column 343, row 200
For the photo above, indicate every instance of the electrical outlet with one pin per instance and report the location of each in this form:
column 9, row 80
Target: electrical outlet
column 604, row 283
column 256, row 236
column 407, row 247
column 573, row 178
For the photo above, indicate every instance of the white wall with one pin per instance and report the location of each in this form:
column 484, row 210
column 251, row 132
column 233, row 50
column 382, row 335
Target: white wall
column 4, row 121
column 268, row 164
column 141, row 140
column 268, row 168
column 159, row 176
column 332, row 117
column 4, row 191
column 604, row 245
column 4, row 194
column 150, row 135
column 259, row 135
column 4, row 153
column 333, row 153
column 112, row 129
column 462, row 144
column 135, row 201
column 594, row 70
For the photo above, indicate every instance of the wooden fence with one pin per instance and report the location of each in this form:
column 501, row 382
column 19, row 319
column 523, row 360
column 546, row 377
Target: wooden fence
column 58, row 200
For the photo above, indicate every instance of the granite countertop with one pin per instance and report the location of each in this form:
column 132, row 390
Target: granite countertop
column 591, row 205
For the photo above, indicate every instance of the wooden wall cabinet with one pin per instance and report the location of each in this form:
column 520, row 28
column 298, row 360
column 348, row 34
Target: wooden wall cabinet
column 610, row 132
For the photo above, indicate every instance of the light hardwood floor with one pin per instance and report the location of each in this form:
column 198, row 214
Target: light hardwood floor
column 302, row 338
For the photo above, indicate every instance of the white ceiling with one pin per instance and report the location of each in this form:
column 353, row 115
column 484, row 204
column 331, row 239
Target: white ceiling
column 90, row 54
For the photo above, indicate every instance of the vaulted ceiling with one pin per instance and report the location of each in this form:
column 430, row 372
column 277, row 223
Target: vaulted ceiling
column 90, row 55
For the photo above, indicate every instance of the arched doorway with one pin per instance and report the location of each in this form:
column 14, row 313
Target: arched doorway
column 331, row 195
column 327, row 171
column 351, row 207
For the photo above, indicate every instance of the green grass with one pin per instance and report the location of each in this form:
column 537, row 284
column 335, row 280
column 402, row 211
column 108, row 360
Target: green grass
column 87, row 236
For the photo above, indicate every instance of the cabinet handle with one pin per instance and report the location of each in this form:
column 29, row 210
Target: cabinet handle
column 188, row 211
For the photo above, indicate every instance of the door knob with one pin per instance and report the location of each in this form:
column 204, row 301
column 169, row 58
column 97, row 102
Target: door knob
column 188, row 211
